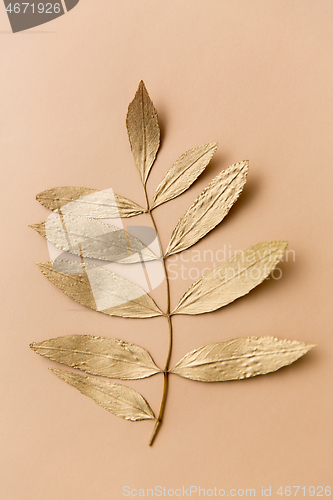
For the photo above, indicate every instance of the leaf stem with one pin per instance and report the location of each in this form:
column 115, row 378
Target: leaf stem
column 168, row 316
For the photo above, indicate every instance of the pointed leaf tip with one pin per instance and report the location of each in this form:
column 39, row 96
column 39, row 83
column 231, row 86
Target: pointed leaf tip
column 39, row 228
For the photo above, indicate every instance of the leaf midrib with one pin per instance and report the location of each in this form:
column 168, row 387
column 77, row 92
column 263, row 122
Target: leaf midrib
column 94, row 354
column 235, row 358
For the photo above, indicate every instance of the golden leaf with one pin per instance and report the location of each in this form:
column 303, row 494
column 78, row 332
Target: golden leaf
column 143, row 131
column 232, row 279
column 94, row 239
column 100, row 289
column 208, row 210
column 183, row 173
column 239, row 358
column 104, row 291
column 122, row 401
column 99, row 356
column 87, row 202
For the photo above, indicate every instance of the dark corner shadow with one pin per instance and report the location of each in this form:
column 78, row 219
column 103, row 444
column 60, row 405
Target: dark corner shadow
column 27, row 32
column 36, row 32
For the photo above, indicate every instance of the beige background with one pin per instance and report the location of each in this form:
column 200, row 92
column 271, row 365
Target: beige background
column 256, row 76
